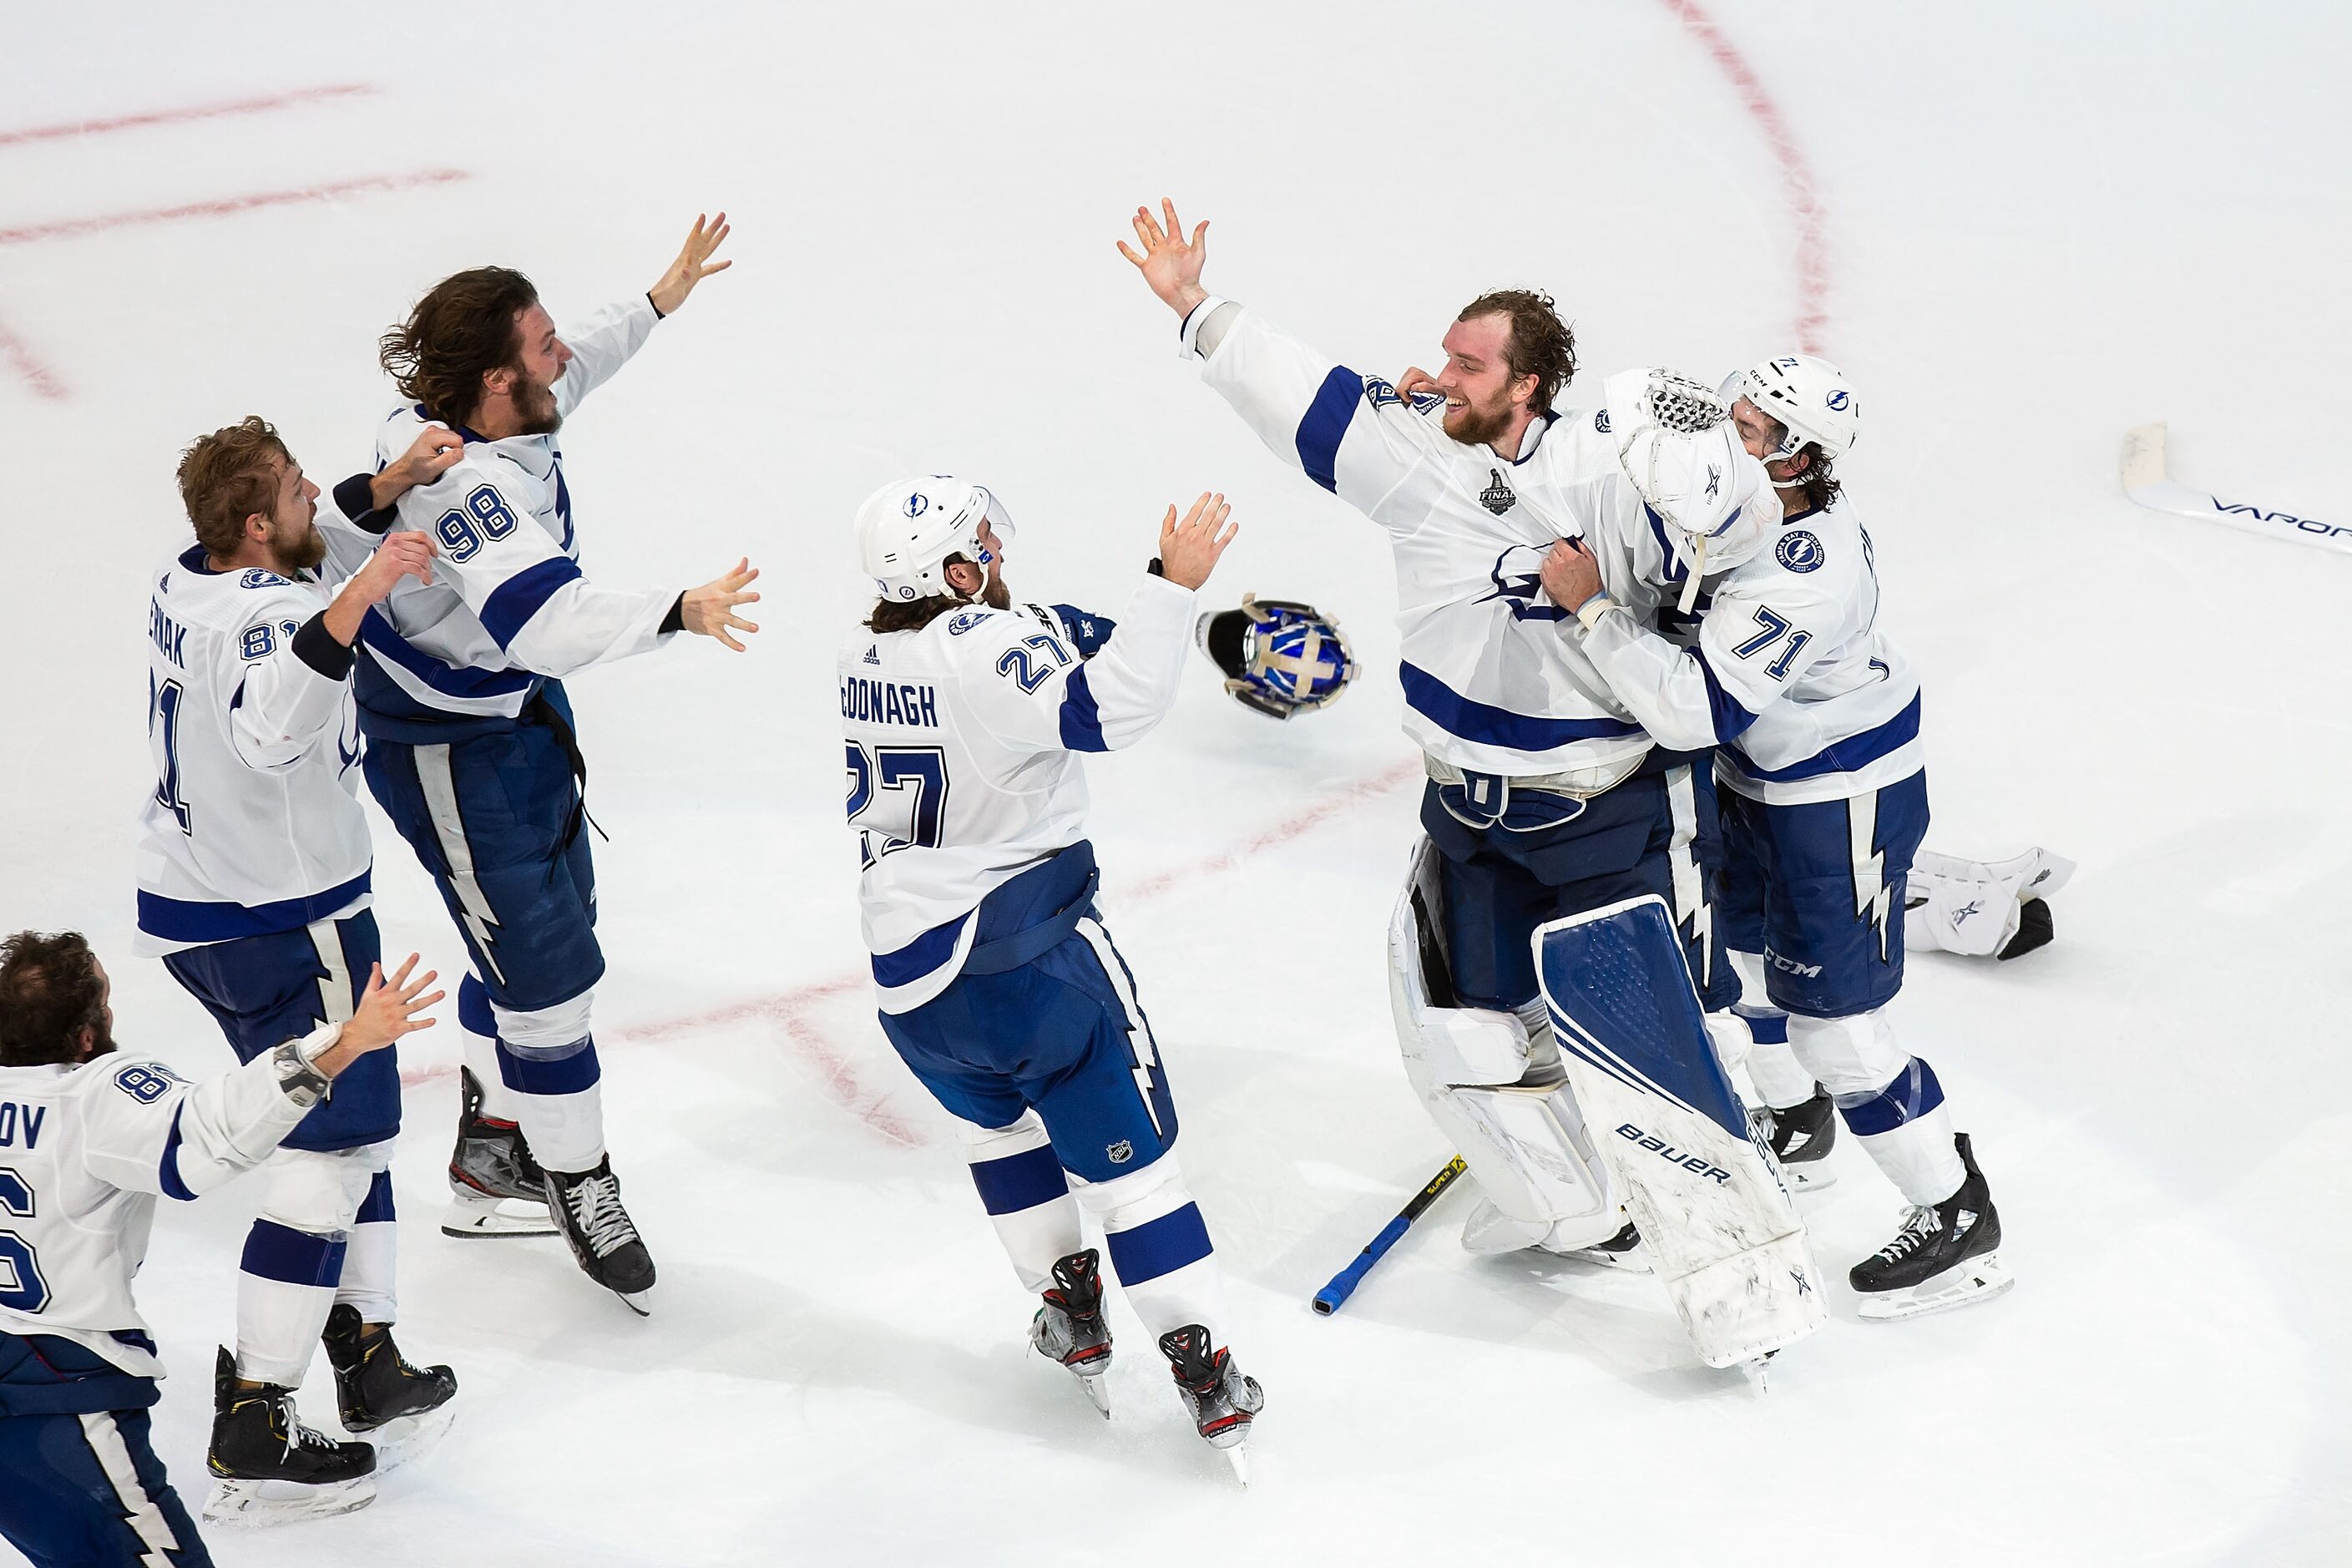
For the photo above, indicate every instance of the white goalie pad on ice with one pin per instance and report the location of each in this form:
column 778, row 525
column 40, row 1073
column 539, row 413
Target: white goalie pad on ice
column 1525, row 1143
column 1721, row 1228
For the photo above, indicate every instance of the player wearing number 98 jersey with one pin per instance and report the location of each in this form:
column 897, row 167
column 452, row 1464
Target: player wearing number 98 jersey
column 471, row 748
column 965, row 720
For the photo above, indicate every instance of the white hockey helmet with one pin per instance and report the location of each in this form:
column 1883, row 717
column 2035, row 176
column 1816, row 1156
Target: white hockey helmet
column 1809, row 397
column 908, row 528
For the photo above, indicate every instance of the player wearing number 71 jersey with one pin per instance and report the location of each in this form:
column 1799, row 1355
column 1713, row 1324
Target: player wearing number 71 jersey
column 965, row 719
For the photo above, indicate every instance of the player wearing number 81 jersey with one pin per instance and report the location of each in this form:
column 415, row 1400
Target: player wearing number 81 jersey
column 965, row 720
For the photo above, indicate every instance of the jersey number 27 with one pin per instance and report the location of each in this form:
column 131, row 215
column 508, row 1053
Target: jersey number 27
column 905, row 788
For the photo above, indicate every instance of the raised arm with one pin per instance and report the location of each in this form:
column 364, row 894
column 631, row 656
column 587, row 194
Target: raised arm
column 147, row 1129
column 1043, row 696
column 605, row 340
column 1352, row 434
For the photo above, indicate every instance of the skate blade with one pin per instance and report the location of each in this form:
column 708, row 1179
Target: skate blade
column 1633, row 1260
column 407, row 1437
column 641, row 1302
column 1098, row 1396
column 1977, row 1279
column 248, row 1503
column 1238, row 1457
column 1758, row 1369
column 479, row 1213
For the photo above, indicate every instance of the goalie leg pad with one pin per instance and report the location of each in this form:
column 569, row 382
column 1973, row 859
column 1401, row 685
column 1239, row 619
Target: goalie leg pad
column 1719, row 1224
column 1525, row 1143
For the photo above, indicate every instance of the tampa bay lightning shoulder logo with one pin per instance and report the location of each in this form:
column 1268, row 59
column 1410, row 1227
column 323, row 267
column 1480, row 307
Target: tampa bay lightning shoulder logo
column 1497, row 497
column 255, row 577
column 965, row 621
column 1600, row 421
column 1379, row 393
column 1799, row 550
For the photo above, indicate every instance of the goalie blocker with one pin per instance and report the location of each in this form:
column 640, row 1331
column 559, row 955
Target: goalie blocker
column 1722, row 1231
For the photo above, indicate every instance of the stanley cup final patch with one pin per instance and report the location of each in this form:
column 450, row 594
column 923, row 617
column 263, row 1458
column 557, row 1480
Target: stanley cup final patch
column 1497, row 497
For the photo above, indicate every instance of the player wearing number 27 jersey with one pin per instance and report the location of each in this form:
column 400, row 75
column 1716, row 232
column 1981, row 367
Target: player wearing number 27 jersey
column 965, row 720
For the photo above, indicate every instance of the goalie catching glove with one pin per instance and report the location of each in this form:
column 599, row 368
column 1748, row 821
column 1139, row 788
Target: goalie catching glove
column 1280, row 657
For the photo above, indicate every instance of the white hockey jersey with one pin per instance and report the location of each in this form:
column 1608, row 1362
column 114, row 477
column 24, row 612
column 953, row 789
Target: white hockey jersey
column 507, row 607
column 255, row 825
column 84, row 1152
column 962, row 757
column 1490, row 683
column 1789, row 674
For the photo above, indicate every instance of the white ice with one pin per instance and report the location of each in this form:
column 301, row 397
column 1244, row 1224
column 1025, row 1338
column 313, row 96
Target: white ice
column 2043, row 224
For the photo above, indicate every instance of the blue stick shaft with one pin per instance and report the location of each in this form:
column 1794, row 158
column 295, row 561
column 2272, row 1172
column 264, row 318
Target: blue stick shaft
column 1343, row 1284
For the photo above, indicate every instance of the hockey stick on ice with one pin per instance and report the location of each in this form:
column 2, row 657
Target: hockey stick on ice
column 2145, row 481
column 1343, row 1284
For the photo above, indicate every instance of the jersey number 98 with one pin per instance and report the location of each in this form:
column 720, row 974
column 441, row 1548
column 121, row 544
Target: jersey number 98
column 483, row 519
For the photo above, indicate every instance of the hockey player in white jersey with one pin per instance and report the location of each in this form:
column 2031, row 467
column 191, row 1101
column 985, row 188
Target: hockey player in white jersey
column 87, row 1142
column 965, row 720
column 1545, row 794
column 1815, row 713
column 471, row 749
column 254, row 869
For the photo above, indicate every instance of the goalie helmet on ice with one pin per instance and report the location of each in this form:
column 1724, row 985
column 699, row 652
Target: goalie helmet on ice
column 906, row 530
column 1280, row 657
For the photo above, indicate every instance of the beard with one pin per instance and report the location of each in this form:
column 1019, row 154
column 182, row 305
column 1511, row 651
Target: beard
column 101, row 1043
column 534, row 403
column 300, row 555
column 1475, row 426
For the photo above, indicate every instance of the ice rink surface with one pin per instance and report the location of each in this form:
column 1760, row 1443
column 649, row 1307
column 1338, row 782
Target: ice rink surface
column 2022, row 228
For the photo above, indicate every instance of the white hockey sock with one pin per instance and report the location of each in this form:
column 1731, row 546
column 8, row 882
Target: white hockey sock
column 547, row 1059
column 368, row 1256
column 1026, row 1195
column 1772, row 1064
column 285, row 1284
column 1159, row 1247
column 477, row 1031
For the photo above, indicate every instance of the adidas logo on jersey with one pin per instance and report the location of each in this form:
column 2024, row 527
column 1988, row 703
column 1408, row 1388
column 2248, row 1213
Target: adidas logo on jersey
column 873, row 654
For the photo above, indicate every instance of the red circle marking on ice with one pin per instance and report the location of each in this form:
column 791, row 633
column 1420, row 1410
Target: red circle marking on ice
column 1796, row 174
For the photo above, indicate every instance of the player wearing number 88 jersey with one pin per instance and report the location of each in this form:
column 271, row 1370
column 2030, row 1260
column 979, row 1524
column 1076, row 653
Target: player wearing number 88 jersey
column 965, row 720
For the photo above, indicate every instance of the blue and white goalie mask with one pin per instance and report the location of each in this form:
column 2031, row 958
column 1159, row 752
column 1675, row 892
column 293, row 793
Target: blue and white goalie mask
column 1280, row 657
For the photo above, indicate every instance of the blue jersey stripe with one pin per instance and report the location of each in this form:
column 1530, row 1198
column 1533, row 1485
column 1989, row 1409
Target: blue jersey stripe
column 1728, row 713
column 1846, row 756
column 1081, row 720
column 167, row 1171
column 1325, row 425
column 378, row 637
column 513, row 602
column 184, row 920
column 1458, row 715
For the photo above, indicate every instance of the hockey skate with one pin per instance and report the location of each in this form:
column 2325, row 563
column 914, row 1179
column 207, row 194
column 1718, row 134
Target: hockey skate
column 1947, row 1254
column 1801, row 1138
column 1222, row 1399
column 402, row 1410
column 1069, row 1327
column 1489, row 1232
column 496, row 1188
column 588, row 1206
column 1623, row 1250
column 269, row 1467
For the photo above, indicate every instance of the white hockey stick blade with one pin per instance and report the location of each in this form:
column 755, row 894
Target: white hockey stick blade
column 2146, row 482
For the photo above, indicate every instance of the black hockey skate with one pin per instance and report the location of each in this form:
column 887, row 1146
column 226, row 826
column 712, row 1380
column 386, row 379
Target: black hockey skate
column 588, row 1207
column 1069, row 1327
column 496, row 1188
column 403, row 1410
column 268, row 1466
column 1222, row 1399
column 1947, row 1254
column 1801, row 1138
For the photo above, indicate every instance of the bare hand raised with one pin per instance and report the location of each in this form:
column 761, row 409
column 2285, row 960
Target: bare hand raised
column 1189, row 550
column 434, row 451
column 709, row 611
column 1170, row 263
column 690, row 267
column 387, row 1010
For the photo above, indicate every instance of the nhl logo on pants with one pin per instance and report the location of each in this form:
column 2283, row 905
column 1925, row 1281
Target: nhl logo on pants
column 1120, row 1153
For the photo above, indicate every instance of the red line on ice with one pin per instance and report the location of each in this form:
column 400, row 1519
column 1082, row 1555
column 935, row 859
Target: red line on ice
column 228, row 204
column 788, row 1011
column 1796, row 174
column 19, row 357
column 177, row 116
